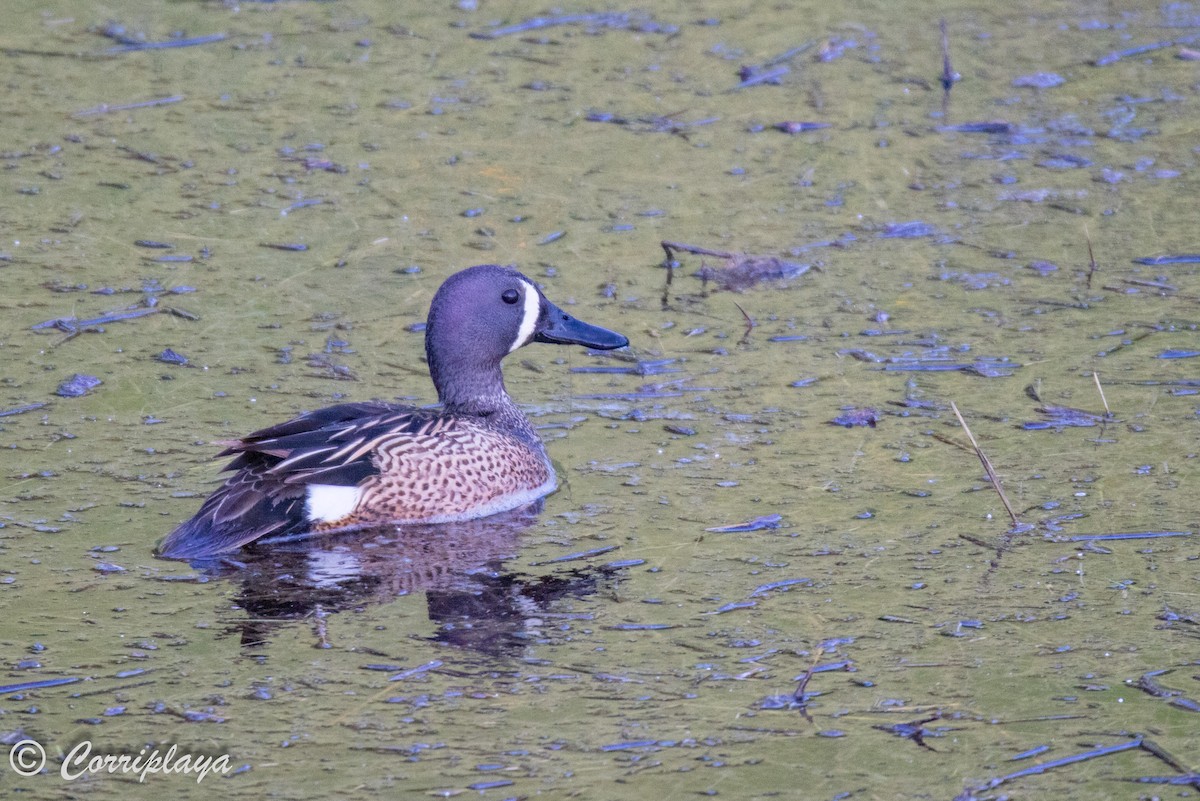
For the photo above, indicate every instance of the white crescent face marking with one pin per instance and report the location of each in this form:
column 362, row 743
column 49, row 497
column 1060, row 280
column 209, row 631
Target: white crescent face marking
column 329, row 502
column 533, row 309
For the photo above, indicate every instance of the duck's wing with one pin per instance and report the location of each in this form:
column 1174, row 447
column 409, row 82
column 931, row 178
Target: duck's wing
column 268, row 491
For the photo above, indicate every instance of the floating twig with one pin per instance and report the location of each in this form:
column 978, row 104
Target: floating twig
column 914, row 730
column 73, row 326
column 1147, row 684
column 764, row 522
column 1059, row 417
column 39, row 684
column 29, row 407
column 799, row 126
column 416, row 671
column 788, row 55
column 755, row 77
column 741, row 271
column 301, row 204
column 175, row 311
column 1117, row 55
column 972, row 793
column 771, row 70
column 1161, row 286
column 1139, row 741
column 168, row 44
column 1127, row 535
column 571, row 557
column 108, row 108
column 662, row 123
column 987, row 466
column 1168, row 259
column 641, row 23
column 1153, row 748
column 671, row 247
column 782, row 584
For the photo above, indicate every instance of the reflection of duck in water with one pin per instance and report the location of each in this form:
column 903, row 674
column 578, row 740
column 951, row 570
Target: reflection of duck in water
column 474, row 595
column 358, row 465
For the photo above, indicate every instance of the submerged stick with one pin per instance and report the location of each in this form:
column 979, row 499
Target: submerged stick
column 1100, row 389
column 671, row 248
column 1158, row 751
column 947, row 70
column 798, row 697
column 987, row 466
column 949, row 76
column 108, row 108
column 771, row 70
column 29, row 407
column 633, row 21
column 169, row 44
column 1091, row 257
column 972, row 793
column 751, row 323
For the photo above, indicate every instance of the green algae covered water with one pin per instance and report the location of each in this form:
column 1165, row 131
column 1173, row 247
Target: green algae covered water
column 775, row 567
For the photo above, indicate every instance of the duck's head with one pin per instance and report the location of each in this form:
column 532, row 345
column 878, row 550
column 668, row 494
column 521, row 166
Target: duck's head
column 482, row 314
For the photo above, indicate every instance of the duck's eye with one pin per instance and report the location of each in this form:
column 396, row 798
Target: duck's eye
column 510, row 296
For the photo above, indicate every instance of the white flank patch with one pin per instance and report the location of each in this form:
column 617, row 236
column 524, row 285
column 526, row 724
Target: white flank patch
column 533, row 309
column 330, row 502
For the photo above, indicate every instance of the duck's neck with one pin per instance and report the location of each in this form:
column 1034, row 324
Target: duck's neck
column 478, row 391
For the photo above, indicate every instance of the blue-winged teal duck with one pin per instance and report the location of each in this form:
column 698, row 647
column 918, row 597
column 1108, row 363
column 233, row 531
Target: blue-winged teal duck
column 361, row 464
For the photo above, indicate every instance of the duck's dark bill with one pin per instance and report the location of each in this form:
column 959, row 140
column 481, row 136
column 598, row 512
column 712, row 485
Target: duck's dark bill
column 560, row 328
